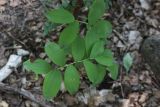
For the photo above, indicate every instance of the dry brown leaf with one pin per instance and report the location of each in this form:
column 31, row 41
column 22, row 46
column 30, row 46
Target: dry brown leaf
column 143, row 97
column 125, row 103
column 3, row 2
column 15, row 3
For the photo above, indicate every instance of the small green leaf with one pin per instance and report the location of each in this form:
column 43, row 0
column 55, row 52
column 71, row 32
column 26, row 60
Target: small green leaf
column 96, row 11
column 90, row 39
column 71, row 79
column 55, row 53
column 69, row 34
column 60, row 16
column 91, row 70
column 78, row 48
column 127, row 61
column 39, row 66
column 106, row 58
column 101, row 74
column 113, row 70
column 52, row 84
column 95, row 73
column 98, row 48
column 103, row 28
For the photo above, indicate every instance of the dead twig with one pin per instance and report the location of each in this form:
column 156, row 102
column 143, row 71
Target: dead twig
column 17, row 40
column 35, row 98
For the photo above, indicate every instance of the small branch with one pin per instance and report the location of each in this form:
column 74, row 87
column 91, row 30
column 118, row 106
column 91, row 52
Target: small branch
column 83, row 22
column 17, row 40
column 37, row 99
column 13, row 62
column 66, row 65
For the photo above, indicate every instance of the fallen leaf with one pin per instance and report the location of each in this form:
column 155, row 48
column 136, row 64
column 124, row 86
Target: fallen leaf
column 3, row 2
column 143, row 97
column 14, row 3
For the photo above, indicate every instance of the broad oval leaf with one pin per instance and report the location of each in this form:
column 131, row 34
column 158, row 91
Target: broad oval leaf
column 39, row 66
column 101, row 74
column 91, row 70
column 59, row 16
column 106, row 58
column 78, row 49
column 103, row 28
column 96, row 11
column 127, row 61
column 98, row 48
column 52, row 84
column 71, row 79
column 95, row 73
column 113, row 70
column 55, row 53
column 69, row 34
column 90, row 39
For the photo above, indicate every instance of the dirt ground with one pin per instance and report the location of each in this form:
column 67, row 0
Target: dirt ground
column 21, row 27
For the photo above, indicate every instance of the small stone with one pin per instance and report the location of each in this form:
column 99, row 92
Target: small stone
column 3, row 104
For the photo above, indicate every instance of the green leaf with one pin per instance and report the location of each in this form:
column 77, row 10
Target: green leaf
column 101, row 74
column 127, row 61
column 106, row 58
column 113, row 70
column 60, row 16
column 78, row 48
column 96, row 11
column 39, row 66
column 90, row 39
column 98, row 48
column 71, row 79
column 103, row 28
column 91, row 70
column 52, row 84
column 55, row 53
column 95, row 73
column 69, row 34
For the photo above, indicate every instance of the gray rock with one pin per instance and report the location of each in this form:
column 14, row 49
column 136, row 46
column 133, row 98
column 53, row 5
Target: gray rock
column 151, row 53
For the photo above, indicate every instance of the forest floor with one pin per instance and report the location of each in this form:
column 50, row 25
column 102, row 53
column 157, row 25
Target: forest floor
column 21, row 27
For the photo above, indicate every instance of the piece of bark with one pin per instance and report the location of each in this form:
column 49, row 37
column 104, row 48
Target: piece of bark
column 151, row 53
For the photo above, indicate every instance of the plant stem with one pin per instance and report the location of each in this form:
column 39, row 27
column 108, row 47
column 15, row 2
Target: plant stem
column 83, row 22
column 66, row 65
